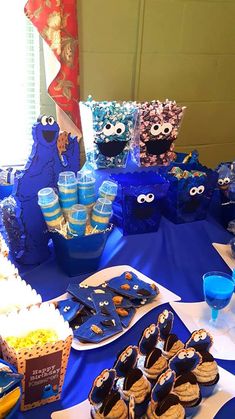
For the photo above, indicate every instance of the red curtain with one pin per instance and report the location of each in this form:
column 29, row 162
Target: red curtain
column 56, row 21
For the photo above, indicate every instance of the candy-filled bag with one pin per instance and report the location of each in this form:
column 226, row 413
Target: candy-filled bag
column 108, row 128
column 157, row 129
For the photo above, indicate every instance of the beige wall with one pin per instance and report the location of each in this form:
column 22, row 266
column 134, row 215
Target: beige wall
column 157, row 49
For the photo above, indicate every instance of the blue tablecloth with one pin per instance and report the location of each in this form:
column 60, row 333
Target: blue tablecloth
column 176, row 257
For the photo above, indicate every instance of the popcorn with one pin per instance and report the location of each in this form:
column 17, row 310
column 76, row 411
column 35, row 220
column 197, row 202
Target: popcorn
column 7, row 269
column 16, row 294
column 37, row 337
column 4, row 250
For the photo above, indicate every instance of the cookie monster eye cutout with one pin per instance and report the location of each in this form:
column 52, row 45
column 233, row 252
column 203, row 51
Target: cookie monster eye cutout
column 102, row 386
column 163, row 386
column 185, row 361
column 200, row 340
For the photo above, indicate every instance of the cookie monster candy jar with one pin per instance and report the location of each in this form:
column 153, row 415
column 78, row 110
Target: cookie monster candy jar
column 157, row 128
column 108, row 128
column 22, row 217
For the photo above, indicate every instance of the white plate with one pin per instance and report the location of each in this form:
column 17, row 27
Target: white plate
column 224, row 251
column 165, row 296
column 225, row 391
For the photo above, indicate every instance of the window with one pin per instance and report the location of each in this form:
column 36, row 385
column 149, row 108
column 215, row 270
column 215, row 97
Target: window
column 20, row 83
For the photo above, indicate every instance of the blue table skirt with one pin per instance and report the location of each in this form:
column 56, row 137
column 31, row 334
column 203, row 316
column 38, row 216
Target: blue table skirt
column 176, row 257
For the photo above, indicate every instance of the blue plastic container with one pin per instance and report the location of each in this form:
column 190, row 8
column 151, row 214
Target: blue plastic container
column 137, row 207
column 188, row 199
column 86, row 187
column 67, row 185
column 49, row 203
column 79, row 255
column 101, row 214
column 77, row 219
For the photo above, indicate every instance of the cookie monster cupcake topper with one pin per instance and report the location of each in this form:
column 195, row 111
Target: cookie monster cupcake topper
column 102, row 386
column 163, row 386
column 148, row 339
column 200, row 340
column 126, row 360
column 185, row 361
column 165, row 323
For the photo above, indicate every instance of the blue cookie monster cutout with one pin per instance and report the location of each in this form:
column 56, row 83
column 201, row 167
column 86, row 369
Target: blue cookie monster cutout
column 149, row 339
column 22, row 216
column 200, row 340
column 126, row 360
column 163, row 386
column 185, row 361
column 165, row 323
column 102, row 386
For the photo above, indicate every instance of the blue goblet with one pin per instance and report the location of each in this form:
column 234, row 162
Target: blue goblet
column 218, row 289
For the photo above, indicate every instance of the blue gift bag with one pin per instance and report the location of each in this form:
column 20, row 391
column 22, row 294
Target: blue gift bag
column 137, row 208
column 188, row 199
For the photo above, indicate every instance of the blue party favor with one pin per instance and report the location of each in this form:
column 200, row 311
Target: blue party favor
column 137, row 207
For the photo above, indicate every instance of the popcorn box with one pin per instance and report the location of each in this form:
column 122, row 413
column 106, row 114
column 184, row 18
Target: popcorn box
column 188, row 198
column 137, row 207
column 157, row 129
column 108, row 129
column 43, row 366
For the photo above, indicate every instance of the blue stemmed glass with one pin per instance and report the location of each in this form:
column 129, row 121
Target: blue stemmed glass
column 218, row 289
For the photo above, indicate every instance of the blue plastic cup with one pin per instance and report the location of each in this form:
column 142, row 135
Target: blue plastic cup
column 49, row 203
column 86, row 187
column 108, row 190
column 231, row 192
column 67, row 185
column 78, row 219
column 101, row 214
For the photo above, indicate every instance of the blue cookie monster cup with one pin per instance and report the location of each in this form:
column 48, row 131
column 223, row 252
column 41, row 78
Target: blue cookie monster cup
column 108, row 129
column 192, row 410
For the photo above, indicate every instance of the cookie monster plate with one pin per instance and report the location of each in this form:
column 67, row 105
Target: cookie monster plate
column 107, row 274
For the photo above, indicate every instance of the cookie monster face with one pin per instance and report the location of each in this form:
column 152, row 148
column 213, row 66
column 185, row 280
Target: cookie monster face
column 126, row 360
column 102, row 386
column 191, row 193
column 163, row 386
column 46, row 131
column 225, row 177
column 200, row 340
column 148, row 339
column 165, row 323
column 159, row 124
column 185, row 361
column 113, row 126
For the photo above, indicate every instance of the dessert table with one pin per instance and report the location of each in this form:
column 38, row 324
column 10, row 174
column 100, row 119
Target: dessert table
column 176, row 257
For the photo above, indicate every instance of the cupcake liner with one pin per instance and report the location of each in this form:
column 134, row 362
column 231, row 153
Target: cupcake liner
column 207, row 391
column 141, row 408
column 192, row 410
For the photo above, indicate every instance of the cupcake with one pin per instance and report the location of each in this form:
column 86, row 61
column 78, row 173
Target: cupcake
column 106, row 402
column 207, row 374
column 154, row 365
column 137, row 385
column 186, row 386
column 172, row 345
column 165, row 404
column 207, row 371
